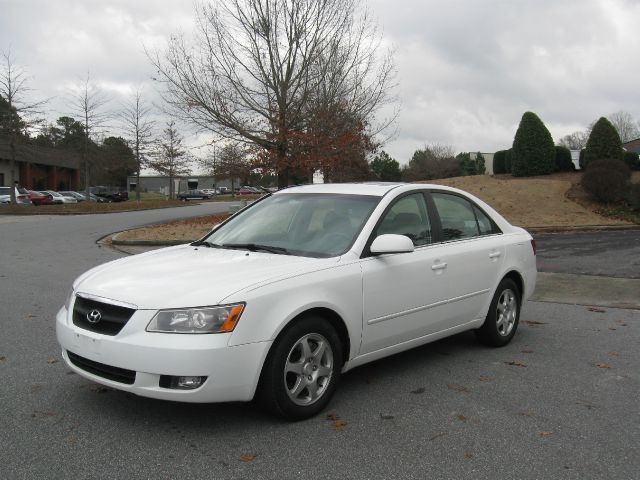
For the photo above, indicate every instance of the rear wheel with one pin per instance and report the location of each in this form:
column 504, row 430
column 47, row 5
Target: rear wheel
column 504, row 313
column 302, row 370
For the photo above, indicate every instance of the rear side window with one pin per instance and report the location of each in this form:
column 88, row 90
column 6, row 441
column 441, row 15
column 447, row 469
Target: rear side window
column 460, row 218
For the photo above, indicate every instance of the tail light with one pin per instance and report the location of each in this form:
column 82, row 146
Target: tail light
column 533, row 246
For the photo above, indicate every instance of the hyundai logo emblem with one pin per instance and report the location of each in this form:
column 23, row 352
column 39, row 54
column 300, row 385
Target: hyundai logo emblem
column 94, row 316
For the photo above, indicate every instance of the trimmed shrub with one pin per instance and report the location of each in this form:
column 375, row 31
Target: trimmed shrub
column 604, row 142
column 498, row 162
column 508, row 158
column 533, row 149
column 632, row 159
column 606, row 180
column 633, row 196
column 563, row 160
column 581, row 159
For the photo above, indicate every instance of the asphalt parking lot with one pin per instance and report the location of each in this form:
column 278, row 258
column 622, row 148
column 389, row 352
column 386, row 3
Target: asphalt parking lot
column 559, row 402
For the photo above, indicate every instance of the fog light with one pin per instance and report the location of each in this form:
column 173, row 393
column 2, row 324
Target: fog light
column 181, row 383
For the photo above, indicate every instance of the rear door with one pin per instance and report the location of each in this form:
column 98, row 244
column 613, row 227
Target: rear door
column 472, row 250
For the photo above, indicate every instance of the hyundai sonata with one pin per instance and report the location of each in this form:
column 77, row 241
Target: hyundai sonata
column 309, row 282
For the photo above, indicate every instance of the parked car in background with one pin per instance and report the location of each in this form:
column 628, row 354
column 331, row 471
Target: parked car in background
column 192, row 195
column 248, row 191
column 95, row 198
column 59, row 198
column 78, row 196
column 224, row 190
column 22, row 195
column 283, row 297
column 117, row 195
column 211, row 191
column 40, row 198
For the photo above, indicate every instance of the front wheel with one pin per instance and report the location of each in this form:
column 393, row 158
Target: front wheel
column 302, row 370
column 501, row 322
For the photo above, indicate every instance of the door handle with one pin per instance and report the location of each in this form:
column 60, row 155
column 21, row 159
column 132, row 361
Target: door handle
column 439, row 266
column 494, row 255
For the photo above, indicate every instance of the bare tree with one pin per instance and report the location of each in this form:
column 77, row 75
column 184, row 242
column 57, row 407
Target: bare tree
column 139, row 130
column 256, row 65
column 625, row 124
column 170, row 157
column 575, row 140
column 20, row 112
column 89, row 102
column 232, row 161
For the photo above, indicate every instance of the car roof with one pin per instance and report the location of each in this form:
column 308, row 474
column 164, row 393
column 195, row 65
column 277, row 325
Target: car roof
column 378, row 189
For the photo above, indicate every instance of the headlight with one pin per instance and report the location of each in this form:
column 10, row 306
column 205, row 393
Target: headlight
column 197, row 320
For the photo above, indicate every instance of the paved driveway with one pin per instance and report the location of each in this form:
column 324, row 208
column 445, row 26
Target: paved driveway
column 559, row 402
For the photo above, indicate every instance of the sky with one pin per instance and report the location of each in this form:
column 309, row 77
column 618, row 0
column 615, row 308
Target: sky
column 466, row 71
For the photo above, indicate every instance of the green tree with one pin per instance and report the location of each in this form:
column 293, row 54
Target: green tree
column 604, row 142
column 563, row 159
column 508, row 157
column 499, row 165
column 385, row 168
column 115, row 162
column 533, row 152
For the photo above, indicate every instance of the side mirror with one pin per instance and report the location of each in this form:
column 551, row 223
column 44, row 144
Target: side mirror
column 391, row 243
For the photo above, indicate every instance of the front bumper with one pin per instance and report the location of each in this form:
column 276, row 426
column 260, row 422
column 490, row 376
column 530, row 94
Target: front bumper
column 232, row 372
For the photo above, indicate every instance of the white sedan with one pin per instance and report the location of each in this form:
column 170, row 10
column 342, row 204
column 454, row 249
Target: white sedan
column 310, row 282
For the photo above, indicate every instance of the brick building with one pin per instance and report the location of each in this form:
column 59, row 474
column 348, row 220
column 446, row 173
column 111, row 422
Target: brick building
column 632, row 146
column 40, row 168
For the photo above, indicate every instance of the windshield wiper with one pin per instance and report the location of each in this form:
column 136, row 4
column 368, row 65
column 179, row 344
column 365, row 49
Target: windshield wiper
column 255, row 247
column 204, row 243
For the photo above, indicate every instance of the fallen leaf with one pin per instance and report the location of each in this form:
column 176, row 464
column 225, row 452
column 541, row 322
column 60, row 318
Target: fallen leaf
column 43, row 413
column 596, row 309
column 525, row 414
column 533, row 322
column 418, row 391
column 545, row 434
column 339, row 425
column 611, row 328
column 437, row 435
column 602, row 365
column 52, row 360
column 462, row 418
column 248, row 457
column 2, row 358
column 526, row 351
column 333, row 417
column 622, row 324
column 457, row 388
column 30, row 316
column 613, row 354
column 386, row 417
column 516, row 363
column 468, row 455
column 485, row 378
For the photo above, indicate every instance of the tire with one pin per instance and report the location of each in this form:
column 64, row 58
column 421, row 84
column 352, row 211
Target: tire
column 292, row 387
column 501, row 322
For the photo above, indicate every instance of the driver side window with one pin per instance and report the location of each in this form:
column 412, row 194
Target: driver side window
column 408, row 217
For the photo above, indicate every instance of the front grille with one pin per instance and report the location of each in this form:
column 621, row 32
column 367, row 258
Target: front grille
column 116, row 374
column 112, row 317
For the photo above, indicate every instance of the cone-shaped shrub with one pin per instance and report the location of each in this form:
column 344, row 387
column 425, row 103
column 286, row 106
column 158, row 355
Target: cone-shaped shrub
column 604, row 142
column 533, row 149
column 563, row 160
column 498, row 162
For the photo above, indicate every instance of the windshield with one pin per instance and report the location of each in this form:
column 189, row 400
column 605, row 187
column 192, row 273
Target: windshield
column 305, row 224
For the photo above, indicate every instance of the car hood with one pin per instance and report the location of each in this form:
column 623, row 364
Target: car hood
column 187, row 276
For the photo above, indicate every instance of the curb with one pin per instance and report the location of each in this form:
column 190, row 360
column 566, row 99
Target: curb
column 581, row 228
column 147, row 243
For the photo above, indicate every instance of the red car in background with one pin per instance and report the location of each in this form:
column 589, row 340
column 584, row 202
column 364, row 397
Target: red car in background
column 41, row 198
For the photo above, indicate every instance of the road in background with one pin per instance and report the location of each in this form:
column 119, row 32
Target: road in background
column 614, row 253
